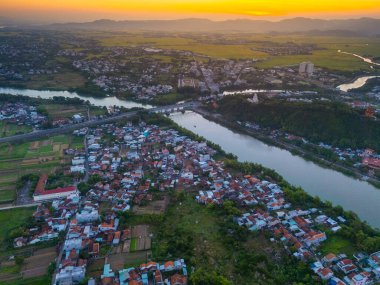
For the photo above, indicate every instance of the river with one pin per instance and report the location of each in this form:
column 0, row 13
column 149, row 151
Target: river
column 365, row 59
column 359, row 82
column 47, row 94
column 358, row 196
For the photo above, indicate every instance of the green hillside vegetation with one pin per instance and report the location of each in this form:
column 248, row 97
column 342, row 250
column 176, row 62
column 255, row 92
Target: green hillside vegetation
column 332, row 123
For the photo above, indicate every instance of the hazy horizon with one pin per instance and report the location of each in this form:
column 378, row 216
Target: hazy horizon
column 44, row 11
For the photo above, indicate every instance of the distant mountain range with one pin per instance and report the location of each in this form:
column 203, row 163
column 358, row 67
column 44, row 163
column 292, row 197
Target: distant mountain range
column 362, row 26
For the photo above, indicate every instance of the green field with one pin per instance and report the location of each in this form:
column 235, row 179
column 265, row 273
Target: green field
column 7, row 195
column 60, row 81
column 184, row 44
column 44, row 156
column 325, row 55
column 12, row 219
column 32, row 281
column 329, row 59
column 8, row 129
column 77, row 142
column 133, row 246
column 64, row 111
column 336, row 244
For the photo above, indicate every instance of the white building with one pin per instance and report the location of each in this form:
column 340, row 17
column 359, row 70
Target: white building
column 70, row 275
column 306, row 68
column 58, row 193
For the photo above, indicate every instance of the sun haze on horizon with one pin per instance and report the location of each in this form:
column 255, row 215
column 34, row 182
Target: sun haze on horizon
column 85, row 10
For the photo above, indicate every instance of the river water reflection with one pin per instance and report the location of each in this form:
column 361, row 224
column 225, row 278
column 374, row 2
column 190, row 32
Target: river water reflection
column 358, row 196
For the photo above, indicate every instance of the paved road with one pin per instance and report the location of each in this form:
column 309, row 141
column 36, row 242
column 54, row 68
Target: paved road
column 19, row 206
column 86, row 164
column 72, row 127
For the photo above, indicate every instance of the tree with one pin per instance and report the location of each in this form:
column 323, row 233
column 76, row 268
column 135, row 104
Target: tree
column 204, row 276
column 19, row 260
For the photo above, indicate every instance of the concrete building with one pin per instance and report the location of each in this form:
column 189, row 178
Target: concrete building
column 42, row 194
column 306, row 68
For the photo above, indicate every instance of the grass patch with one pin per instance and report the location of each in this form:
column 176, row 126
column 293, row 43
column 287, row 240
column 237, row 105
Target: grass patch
column 63, row 139
column 12, row 219
column 59, row 111
column 13, row 269
column 329, row 59
column 45, row 149
column 30, row 281
column 7, row 195
column 133, row 246
column 337, row 244
column 77, row 142
column 8, row 129
column 14, row 151
column 60, row 81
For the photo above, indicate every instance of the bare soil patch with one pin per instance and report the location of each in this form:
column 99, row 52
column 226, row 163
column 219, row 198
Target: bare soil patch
column 37, row 264
column 155, row 207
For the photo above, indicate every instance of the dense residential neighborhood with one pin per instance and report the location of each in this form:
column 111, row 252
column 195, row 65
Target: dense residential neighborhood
column 21, row 114
column 129, row 162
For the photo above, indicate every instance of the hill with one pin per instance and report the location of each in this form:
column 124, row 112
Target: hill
column 362, row 26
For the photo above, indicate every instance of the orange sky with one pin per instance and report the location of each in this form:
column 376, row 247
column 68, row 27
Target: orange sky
column 81, row 10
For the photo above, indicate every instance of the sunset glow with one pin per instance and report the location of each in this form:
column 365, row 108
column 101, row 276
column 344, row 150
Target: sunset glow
column 153, row 9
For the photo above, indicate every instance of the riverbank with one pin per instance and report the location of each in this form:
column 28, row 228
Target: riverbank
column 356, row 83
column 307, row 155
column 90, row 93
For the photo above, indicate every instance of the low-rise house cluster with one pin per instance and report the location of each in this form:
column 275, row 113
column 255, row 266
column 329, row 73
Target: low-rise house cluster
column 21, row 114
column 297, row 229
column 49, row 224
column 166, row 273
column 129, row 161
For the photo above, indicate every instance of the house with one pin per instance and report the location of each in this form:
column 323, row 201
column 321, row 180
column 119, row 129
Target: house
column 112, row 225
column 178, row 279
column 346, row 265
column 359, row 279
column 336, row 281
column 20, row 242
column 70, row 275
column 330, row 258
column 374, row 262
column 94, row 249
column 77, row 168
column 325, row 273
column 315, row 238
column 87, row 215
column 158, row 278
column 44, row 236
column 116, row 238
column 371, row 162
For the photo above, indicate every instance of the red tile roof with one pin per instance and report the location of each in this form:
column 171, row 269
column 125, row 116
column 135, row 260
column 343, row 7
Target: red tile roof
column 40, row 188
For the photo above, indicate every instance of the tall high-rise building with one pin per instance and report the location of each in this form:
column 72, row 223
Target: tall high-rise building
column 306, row 68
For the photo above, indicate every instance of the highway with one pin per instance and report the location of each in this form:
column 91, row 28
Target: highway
column 70, row 128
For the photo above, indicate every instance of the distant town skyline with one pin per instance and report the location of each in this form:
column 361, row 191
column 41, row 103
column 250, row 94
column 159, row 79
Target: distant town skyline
column 87, row 10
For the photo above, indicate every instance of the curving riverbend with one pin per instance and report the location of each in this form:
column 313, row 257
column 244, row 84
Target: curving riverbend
column 359, row 82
